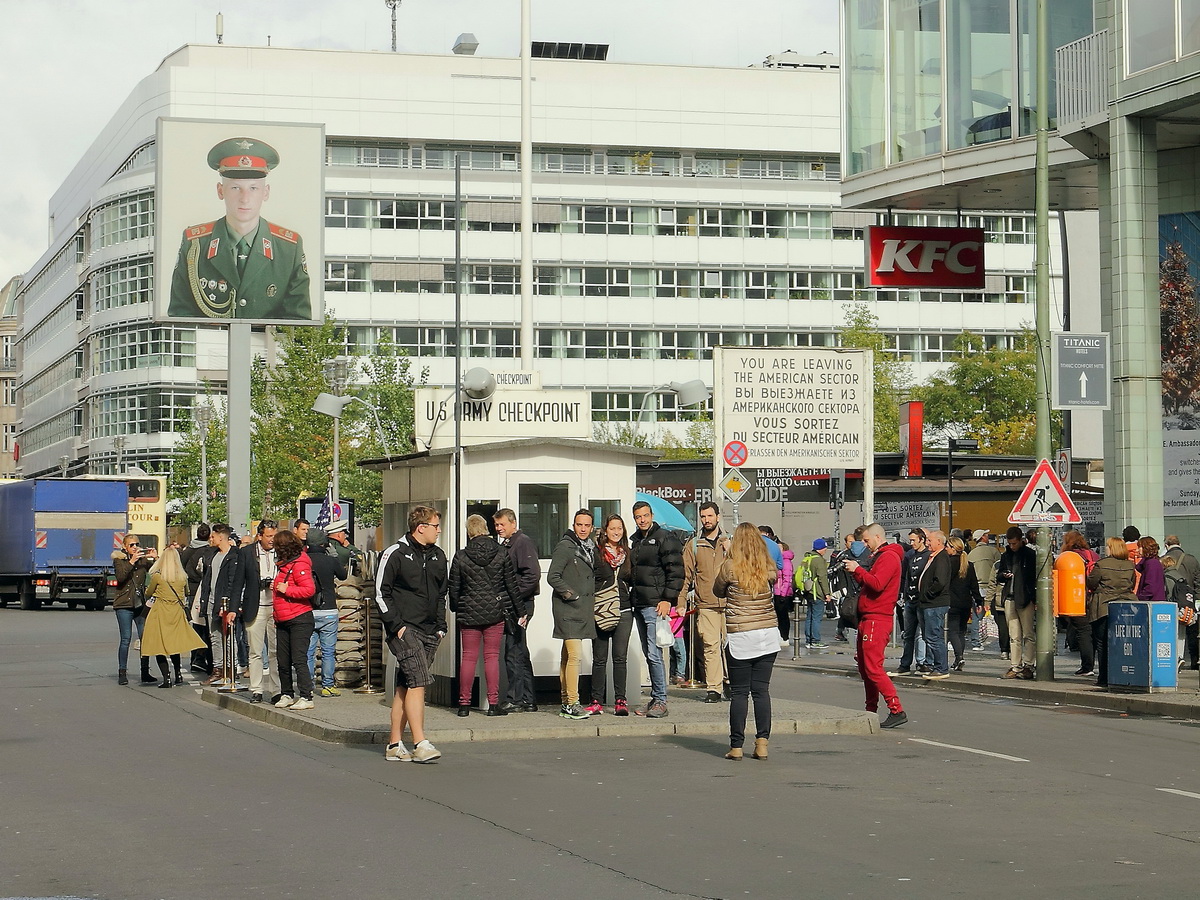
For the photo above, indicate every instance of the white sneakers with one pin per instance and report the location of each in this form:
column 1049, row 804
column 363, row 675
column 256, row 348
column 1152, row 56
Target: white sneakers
column 302, row 704
column 284, row 702
column 397, row 753
column 425, row 752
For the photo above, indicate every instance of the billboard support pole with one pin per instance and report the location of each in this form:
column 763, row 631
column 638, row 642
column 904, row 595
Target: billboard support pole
column 237, row 489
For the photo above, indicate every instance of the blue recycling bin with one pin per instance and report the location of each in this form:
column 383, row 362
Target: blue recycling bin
column 1141, row 647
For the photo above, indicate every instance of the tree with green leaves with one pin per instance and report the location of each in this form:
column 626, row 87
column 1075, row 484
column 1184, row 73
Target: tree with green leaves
column 987, row 393
column 891, row 375
column 292, row 446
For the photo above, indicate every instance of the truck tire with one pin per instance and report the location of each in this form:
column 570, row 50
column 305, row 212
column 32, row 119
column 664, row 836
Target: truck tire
column 29, row 599
column 71, row 604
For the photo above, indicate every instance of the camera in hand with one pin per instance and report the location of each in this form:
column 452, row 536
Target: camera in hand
column 264, row 584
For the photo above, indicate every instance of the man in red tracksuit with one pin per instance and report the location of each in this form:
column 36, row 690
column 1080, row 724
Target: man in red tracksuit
column 879, row 581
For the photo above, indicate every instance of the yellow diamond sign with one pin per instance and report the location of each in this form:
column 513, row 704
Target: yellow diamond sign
column 736, row 483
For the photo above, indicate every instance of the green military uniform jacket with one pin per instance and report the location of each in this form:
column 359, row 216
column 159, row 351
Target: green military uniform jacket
column 206, row 283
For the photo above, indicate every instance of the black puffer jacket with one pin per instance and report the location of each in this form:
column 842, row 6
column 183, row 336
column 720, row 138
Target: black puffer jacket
column 483, row 583
column 657, row 567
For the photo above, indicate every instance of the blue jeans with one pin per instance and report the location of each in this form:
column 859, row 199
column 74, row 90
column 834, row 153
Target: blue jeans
column 812, row 624
column 934, row 620
column 325, row 628
column 914, row 641
column 646, row 618
column 679, row 658
column 125, row 622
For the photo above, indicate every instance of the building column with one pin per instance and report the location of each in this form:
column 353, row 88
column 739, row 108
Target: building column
column 1133, row 457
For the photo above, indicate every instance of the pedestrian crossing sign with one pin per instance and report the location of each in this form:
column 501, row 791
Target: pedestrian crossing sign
column 1044, row 501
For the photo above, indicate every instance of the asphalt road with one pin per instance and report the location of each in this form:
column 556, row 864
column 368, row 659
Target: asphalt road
column 126, row 792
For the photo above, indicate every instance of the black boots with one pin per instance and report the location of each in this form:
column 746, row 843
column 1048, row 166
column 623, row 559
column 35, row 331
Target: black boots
column 122, row 677
column 147, row 678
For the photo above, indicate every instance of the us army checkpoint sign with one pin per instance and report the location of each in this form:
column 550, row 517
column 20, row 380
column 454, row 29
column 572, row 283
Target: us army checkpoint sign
column 1079, row 371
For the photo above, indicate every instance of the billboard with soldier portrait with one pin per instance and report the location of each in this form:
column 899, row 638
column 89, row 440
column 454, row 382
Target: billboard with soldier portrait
column 239, row 222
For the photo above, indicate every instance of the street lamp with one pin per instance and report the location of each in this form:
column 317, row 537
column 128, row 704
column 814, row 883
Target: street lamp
column 64, row 463
column 337, row 373
column 202, row 416
column 392, row 4
column 687, row 393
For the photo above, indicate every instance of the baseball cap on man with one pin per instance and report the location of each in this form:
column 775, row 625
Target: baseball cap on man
column 979, row 532
column 819, row 544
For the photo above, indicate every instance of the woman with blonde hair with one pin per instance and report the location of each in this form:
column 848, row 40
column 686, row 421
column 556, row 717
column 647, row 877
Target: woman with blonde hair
column 964, row 596
column 746, row 581
column 167, row 632
column 1110, row 579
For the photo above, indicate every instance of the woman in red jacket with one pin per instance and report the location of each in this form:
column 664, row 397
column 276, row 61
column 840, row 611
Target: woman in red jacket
column 293, row 590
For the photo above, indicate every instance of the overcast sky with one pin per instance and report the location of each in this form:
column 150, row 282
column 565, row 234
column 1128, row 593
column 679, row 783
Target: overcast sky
column 66, row 65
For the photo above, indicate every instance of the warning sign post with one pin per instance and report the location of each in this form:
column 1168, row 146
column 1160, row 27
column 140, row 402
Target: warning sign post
column 1044, row 501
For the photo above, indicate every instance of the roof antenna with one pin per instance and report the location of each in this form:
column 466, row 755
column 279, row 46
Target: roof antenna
column 220, row 29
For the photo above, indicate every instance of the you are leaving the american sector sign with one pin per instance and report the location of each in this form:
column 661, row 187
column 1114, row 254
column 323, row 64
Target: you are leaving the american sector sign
column 795, row 407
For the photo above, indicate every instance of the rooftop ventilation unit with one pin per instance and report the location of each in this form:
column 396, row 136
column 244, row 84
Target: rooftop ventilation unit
column 560, row 50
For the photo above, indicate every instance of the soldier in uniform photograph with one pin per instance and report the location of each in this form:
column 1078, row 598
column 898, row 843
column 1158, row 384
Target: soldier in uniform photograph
column 241, row 266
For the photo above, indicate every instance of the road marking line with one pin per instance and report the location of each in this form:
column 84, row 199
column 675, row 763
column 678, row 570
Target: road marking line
column 1180, row 793
column 970, row 750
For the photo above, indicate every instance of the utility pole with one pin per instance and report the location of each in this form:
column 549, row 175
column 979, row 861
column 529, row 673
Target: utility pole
column 392, row 4
column 1045, row 630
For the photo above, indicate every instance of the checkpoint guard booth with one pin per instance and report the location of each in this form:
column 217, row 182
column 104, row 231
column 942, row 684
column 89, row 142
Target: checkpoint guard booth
column 544, row 480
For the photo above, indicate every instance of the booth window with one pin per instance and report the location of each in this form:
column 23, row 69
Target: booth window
column 542, row 514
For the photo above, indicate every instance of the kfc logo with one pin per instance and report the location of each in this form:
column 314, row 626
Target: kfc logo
column 925, row 257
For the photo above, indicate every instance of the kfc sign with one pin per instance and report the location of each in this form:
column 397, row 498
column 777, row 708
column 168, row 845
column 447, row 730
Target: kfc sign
column 899, row 256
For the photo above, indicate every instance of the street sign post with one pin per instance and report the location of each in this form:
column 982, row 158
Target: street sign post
column 1079, row 371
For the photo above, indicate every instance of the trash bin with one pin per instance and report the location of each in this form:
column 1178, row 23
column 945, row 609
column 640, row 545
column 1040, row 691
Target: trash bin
column 1141, row 647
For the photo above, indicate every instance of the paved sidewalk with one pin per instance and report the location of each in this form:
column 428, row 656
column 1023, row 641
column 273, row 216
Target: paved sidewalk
column 982, row 675
column 363, row 719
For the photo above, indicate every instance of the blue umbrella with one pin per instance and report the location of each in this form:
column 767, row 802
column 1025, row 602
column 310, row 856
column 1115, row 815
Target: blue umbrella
column 666, row 514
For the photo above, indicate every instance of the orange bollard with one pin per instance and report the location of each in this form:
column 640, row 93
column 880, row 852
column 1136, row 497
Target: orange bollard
column 1070, row 585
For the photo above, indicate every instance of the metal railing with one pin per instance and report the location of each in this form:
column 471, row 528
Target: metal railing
column 1081, row 68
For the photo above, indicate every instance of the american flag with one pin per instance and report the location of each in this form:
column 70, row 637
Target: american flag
column 325, row 516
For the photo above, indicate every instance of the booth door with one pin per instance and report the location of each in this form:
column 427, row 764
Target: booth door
column 545, row 501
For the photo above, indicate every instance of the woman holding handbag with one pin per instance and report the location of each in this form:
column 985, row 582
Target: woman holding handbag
column 167, row 632
column 614, row 574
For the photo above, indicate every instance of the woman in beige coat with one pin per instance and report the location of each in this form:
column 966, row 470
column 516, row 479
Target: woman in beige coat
column 167, row 631
column 746, row 581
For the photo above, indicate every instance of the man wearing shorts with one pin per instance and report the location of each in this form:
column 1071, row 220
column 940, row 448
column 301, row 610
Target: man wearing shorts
column 411, row 596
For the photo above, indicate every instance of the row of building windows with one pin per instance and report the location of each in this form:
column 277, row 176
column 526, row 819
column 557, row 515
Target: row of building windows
column 70, row 310
column 632, row 343
column 63, row 372
column 143, row 348
column 142, row 158
column 142, row 410
column 627, row 406
column 610, row 281
column 130, row 282
column 585, row 161
column 124, row 219
column 70, row 255
column 62, row 427
column 676, row 221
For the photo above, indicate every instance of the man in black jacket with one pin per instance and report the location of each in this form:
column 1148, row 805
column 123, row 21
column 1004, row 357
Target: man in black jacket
column 915, row 649
column 1017, row 572
column 657, row 557
column 221, row 591
column 194, row 559
column 325, row 568
column 933, row 595
column 517, row 663
column 411, row 596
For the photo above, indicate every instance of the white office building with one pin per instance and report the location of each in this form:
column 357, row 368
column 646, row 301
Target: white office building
column 676, row 208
